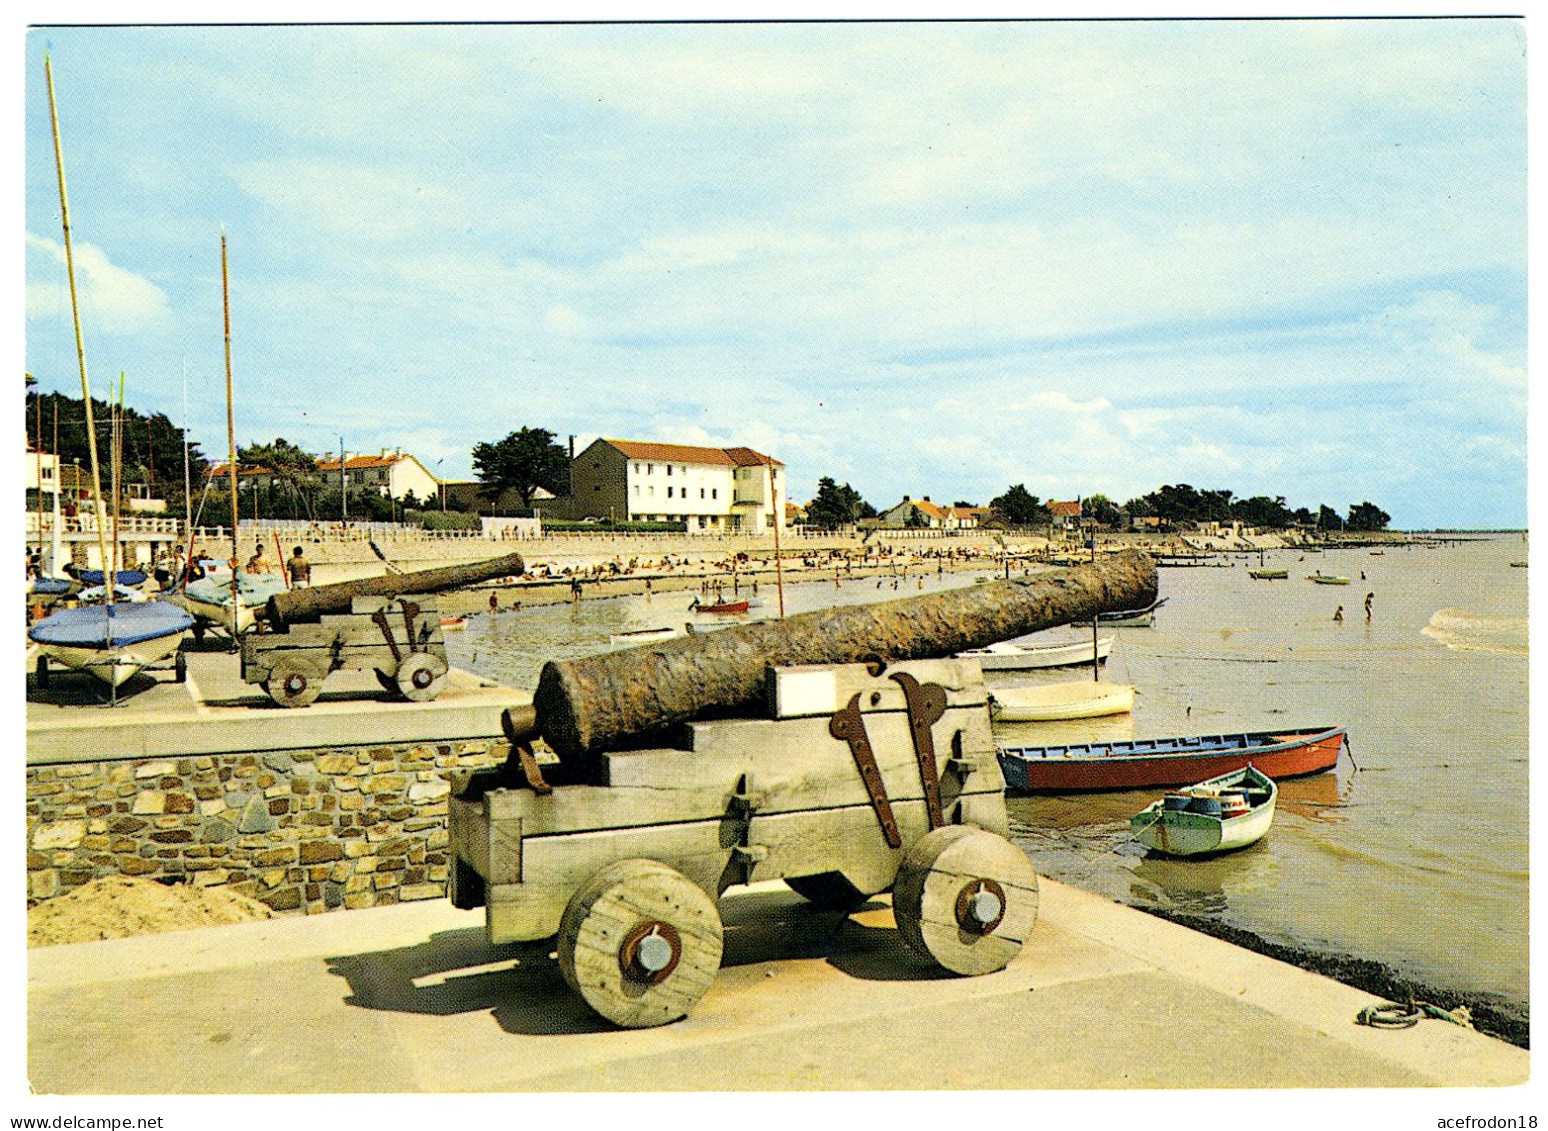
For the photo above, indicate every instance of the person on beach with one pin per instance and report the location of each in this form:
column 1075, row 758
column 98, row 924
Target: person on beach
column 575, row 590
column 647, row 588
column 1369, row 597
column 299, row 570
column 494, row 602
column 258, row 563
column 1338, row 615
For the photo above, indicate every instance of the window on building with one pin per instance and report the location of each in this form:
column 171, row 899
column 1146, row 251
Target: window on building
column 714, row 492
column 669, row 490
column 652, row 492
column 636, row 490
column 701, row 492
column 636, row 469
column 650, row 469
column 685, row 469
column 669, row 469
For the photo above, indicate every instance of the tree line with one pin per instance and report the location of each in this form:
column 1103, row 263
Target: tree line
column 838, row 505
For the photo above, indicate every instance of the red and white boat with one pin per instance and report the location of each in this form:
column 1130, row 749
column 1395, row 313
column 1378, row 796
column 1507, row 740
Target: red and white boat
column 1146, row 763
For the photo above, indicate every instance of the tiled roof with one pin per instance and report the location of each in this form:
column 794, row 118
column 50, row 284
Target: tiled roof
column 1064, row 510
column 687, row 453
column 672, row 453
column 934, row 510
column 746, row 457
column 361, row 462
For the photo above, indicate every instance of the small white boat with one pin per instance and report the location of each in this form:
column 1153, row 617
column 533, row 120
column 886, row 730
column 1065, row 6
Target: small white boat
column 212, row 602
column 111, row 642
column 1131, row 618
column 642, row 636
column 1231, row 811
column 1077, row 699
column 1024, row 657
column 1326, row 579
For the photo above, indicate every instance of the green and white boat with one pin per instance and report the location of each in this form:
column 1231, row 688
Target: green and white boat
column 1230, row 811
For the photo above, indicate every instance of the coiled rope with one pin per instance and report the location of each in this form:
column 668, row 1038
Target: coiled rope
column 1396, row 1015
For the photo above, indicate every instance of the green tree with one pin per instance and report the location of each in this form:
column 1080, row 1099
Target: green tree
column 1101, row 510
column 1263, row 512
column 1368, row 516
column 293, row 472
column 834, row 505
column 1017, row 507
column 522, row 462
column 1327, row 518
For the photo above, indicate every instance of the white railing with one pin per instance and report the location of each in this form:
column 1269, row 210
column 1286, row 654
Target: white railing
column 86, row 523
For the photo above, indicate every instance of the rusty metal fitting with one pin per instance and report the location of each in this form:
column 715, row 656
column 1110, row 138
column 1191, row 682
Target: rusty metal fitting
column 650, row 952
column 980, row 906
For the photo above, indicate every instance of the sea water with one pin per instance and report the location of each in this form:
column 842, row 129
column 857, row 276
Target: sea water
column 1413, row 852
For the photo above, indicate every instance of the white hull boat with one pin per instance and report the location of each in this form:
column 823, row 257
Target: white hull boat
column 1078, row 699
column 1026, row 657
column 111, row 642
column 213, row 603
column 1230, row 811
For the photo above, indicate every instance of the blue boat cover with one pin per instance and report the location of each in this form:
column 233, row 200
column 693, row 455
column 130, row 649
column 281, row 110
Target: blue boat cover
column 51, row 586
column 90, row 625
column 253, row 589
column 125, row 576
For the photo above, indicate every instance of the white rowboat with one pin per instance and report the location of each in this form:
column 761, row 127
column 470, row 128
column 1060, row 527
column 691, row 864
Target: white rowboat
column 1024, row 657
column 1078, row 699
column 1231, row 811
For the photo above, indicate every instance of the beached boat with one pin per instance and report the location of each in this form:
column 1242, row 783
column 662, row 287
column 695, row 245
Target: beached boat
column 111, row 642
column 1077, row 699
column 449, row 624
column 1148, row 763
column 214, row 602
column 1004, row 657
column 642, row 636
column 1225, row 812
column 1269, row 574
column 723, row 607
column 1132, row 618
column 1519, row 565
column 1326, row 579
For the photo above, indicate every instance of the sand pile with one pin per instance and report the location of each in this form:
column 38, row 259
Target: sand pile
column 117, row 907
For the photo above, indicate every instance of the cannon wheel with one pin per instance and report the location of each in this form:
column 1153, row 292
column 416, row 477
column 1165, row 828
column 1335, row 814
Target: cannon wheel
column 640, row 943
column 829, row 891
column 421, row 676
column 965, row 898
column 293, row 682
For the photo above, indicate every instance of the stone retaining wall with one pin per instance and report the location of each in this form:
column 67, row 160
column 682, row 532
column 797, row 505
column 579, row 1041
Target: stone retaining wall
column 304, row 830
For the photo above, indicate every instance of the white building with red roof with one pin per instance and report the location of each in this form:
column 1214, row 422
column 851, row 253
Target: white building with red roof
column 711, row 490
column 393, row 473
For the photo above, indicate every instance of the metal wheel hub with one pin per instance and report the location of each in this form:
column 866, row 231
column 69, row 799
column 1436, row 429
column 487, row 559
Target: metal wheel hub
column 980, row 906
column 650, row 952
column 423, row 678
column 295, row 683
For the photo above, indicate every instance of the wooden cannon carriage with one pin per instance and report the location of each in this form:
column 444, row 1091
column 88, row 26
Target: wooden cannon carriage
column 398, row 638
column 859, row 778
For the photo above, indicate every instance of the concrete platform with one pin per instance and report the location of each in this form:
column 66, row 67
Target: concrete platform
column 411, row 998
column 214, row 712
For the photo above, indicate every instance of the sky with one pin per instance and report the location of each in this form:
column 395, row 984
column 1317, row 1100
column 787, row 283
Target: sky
column 1275, row 257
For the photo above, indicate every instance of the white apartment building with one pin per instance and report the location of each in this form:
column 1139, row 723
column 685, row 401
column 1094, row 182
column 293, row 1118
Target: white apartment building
column 711, row 490
column 393, row 473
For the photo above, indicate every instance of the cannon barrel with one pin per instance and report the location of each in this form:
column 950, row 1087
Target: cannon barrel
column 306, row 606
column 611, row 700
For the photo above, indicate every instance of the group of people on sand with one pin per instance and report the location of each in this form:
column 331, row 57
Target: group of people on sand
column 298, row 571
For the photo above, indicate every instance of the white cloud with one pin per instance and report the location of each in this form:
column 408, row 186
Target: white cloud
column 113, row 300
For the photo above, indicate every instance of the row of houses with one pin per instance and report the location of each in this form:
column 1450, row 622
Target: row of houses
column 921, row 513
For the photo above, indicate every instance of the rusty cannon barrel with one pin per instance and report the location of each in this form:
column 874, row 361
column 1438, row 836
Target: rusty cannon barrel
column 306, row 606
column 608, row 701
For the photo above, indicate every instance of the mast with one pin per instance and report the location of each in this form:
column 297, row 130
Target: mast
column 187, row 487
column 118, row 491
column 55, row 550
column 75, row 317
column 779, row 562
column 225, row 303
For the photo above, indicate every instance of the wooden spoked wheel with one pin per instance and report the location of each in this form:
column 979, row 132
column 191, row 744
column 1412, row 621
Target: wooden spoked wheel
column 965, row 898
column 829, row 891
column 294, row 682
column 640, row 943
column 421, row 676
